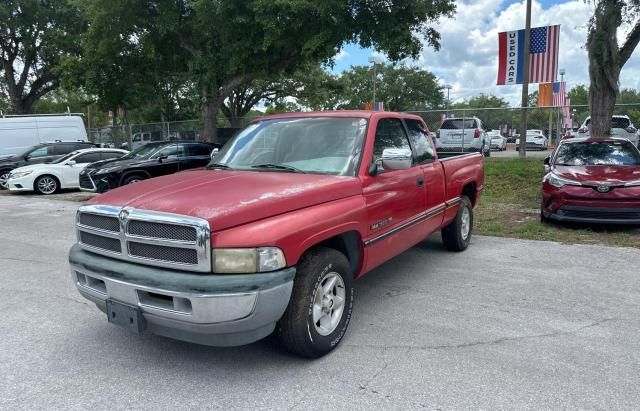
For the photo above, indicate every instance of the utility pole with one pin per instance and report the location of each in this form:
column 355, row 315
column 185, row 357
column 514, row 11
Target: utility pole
column 374, row 60
column 448, row 87
column 562, row 71
column 525, row 84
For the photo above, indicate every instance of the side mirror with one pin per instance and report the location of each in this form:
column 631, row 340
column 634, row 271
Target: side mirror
column 71, row 162
column 547, row 161
column 396, row 158
column 214, row 152
column 162, row 157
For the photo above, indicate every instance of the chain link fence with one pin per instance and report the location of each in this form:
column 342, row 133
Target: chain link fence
column 550, row 120
column 124, row 135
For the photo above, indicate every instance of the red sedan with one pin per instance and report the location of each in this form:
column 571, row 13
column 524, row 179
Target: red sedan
column 595, row 180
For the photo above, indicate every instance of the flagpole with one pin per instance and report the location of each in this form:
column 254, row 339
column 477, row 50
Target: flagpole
column 525, row 84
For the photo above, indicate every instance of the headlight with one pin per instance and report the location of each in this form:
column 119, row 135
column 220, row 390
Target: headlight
column 106, row 170
column 20, row 174
column 247, row 260
column 633, row 183
column 556, row 181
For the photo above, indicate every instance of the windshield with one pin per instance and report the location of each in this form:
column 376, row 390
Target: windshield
column 64, row 158
column 618, row 153
column 144, row 152
column 458, row 124
column 324, row 145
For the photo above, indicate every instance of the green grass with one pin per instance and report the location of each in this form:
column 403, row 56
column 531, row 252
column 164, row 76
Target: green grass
column 510, row 207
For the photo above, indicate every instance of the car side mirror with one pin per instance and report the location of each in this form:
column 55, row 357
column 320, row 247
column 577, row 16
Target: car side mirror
column 547, row 161
column 162, row 157
column 396, row 158
column 214, row 152
column 71, row 162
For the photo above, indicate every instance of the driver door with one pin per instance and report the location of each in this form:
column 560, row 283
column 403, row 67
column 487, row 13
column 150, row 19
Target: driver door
column 166, row 161
column 395, row 199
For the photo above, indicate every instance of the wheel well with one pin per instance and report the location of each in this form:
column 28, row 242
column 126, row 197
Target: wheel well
column 134, row 173
column 469, row 190
column 350, row 245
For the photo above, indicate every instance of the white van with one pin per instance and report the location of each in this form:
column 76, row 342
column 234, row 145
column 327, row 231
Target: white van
column 17, row 133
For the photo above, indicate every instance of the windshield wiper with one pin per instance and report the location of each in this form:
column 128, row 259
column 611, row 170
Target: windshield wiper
column 278, row 167
column 222, row 166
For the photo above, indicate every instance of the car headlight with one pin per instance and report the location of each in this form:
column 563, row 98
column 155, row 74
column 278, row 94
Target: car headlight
column 247, row 260
column 632, row 183
column 106, row 170
column 556, row 181
column 20, row 174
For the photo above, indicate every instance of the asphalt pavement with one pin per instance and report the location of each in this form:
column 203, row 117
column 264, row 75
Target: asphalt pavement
column 507, row 324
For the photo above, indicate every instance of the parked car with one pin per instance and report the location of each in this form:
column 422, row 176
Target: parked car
column 513, row 138
column 149, row 160
column 40, row 153
column 464, row 134
column 270, row 236
column 593, row 180
column 535, row 141
column 18, row 133
column 621, row 126
column 63, row 173
column 497, row 141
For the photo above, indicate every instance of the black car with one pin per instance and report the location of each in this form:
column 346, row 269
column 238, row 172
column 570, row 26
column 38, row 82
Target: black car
column 40, row 153
column 150, row 160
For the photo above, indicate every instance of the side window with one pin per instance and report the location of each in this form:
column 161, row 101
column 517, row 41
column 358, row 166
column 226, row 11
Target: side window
column 63, row 148
column 108, row 155
column 421, row 141
column 39, row 152
column 87, row 158
column 168, row 151
column 198, row 150
column 389, row 134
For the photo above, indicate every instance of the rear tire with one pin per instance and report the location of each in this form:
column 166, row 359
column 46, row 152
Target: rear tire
column 457, row 235
column 320, row 306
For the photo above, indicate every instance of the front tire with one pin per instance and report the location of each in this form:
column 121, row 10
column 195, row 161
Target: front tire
column 320, row 307
column 457, row 235
column 132, row 179
column 46, row 185
column 4, row 179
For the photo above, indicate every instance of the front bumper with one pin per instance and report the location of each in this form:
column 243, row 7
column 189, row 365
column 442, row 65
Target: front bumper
column 209, row 309
column 21, row 184
column 96, row 183
column 595, row 215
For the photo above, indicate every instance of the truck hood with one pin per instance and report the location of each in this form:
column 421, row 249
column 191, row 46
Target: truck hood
column 599, row 174
column 229, row 198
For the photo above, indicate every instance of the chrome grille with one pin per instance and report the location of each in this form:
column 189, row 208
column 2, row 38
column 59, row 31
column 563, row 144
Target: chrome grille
column 146, row 237
column 163, row 253
column 157, row 230
column 100, row 222
column 98, row 241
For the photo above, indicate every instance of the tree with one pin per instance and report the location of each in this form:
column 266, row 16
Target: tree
column 606, row 58
column 401, row 88
column 228, row 43
column 35, row 37
column 484, row 107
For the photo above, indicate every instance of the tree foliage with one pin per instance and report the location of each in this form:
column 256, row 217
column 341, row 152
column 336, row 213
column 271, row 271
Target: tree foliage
column 35, row 38
column 606, row 57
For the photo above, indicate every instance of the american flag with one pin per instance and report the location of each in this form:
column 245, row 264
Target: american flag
column 544, row 54
column 559, row 94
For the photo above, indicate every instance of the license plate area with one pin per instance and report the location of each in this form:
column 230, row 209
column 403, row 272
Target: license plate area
column 126, row 316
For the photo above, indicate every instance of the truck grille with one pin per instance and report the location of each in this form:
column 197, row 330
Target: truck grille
column 149, row 237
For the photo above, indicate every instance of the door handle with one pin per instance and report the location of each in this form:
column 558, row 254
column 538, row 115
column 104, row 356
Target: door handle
column 420, row 182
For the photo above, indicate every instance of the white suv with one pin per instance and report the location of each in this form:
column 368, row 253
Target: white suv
column 621, row 126
column 463, row 134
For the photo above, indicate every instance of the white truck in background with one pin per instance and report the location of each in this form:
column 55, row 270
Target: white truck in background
column 17, row 133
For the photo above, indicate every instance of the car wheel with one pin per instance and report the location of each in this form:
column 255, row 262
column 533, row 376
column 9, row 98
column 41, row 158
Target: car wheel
column 543, row 219
column 4, row 179
column 320, row 306
column 132, row 179
column 46, row 185
column 457, row 235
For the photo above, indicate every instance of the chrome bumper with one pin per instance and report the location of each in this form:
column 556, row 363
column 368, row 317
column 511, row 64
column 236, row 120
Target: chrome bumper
column 205, row 309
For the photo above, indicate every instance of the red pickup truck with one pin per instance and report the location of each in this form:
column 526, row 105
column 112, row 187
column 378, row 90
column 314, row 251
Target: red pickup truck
column 271, row 235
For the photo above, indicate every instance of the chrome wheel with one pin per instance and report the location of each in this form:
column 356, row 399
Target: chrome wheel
column 4, row 179
column 465, row 225
column 328, row 303
column 47, row 185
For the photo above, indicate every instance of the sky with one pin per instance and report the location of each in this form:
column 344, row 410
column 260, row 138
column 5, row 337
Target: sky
column 468, row 57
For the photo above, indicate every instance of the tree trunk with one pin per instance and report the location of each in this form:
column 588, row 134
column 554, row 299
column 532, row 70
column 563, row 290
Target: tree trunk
column 236, row 122
column 209, row 112
column 20, row 106
column 604, row 66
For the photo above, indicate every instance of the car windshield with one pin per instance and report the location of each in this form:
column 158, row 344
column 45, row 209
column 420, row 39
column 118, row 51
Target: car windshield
column 64, row 158
column 144, row 152
column 596, row 153
column 323, row 145
column 458, row 124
